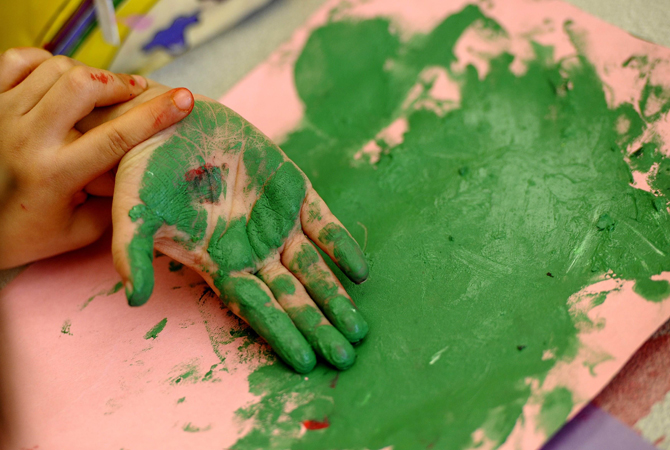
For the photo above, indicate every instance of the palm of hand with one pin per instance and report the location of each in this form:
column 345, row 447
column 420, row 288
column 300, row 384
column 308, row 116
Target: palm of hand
column 217, row 195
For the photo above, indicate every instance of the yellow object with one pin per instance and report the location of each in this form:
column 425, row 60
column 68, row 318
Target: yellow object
column 98, row 53
column 34, row 23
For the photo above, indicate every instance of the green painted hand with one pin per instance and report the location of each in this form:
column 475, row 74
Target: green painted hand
column 217, row 195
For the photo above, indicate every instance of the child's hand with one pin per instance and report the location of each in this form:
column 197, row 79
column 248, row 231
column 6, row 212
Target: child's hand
column 60, row 173
column 217, row 195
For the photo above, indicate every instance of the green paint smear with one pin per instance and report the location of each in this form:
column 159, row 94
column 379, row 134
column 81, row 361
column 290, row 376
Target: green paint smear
column 186, row 373
column 459, row 263
column 113, row 290
column 348, row 255
column 189, row 428
column 653, row 290
column 65, row 329
column 178, row 185
column 555, row 410
column 153, row 333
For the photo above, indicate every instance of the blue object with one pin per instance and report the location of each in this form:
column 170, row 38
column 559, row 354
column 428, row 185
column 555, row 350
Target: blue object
column 172, row 38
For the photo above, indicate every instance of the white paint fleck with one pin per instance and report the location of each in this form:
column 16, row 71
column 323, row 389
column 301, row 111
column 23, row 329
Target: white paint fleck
column 437, row 355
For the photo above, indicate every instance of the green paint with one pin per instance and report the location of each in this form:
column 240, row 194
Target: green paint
column 181, row 400
column 182, row 178
column 87, row 302
column 230, row 246
column 210, row 373
column 189, row 428
column 153, row 333
column 599, row 299
column 65, row 329
column 175, row 266
column 326, row 340
column 276, row 211
column 654, row 102
column 605, row 222
column 282, row 285
column 555, row 410
column 546, row 160
column 185, row 373
column 140, row 253
column 652, row 290
column 116, row 288
column 338, row 309
column 179, row 182
column 260, row 163
column 644, row 157
column 113, row 290
column 270, row 322
column 348, row 255
column 595, row 361
column 314, row 212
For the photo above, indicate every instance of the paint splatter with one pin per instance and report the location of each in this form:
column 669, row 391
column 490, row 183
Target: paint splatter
column 153, row 332
column 190, row 428
column 102, row 77
column 113, row 290
column 65, row 329
column 316, row 424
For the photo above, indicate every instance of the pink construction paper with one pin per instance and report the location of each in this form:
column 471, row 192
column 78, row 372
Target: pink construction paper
column 85, row 376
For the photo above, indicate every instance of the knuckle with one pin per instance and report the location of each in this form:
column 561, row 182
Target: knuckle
column 12, row 58
column 60, row 64
column 118, row 143
column 79, row 79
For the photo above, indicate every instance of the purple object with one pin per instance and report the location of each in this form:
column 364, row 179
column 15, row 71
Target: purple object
column 73, row 23
column 595, row 429
column 172, row 38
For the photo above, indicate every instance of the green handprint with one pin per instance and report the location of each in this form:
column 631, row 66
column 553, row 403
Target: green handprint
column 217, row 195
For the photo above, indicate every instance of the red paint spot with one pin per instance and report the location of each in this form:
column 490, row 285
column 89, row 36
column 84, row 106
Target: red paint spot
column 101, row 77
column 159, row 120
column 197, row 172
column 334, row 382
column 658, row 441
column 24, row 207
column 132, row 82
column 316, row 425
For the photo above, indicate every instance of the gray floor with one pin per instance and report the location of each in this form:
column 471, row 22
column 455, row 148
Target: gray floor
column 217, row 65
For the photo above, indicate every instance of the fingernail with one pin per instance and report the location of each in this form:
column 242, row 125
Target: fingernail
column 346, row 318
column 334, row 347
column 140, row 80
column 129, row 289
column 183, row 99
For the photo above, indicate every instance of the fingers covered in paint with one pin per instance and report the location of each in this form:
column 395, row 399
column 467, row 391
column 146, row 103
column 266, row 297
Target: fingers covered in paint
column 325, row 339
column 134, row 254
column 323, row 228
column 101, row 149
column 305, row 262
column 253, row 302
column 17, row 63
